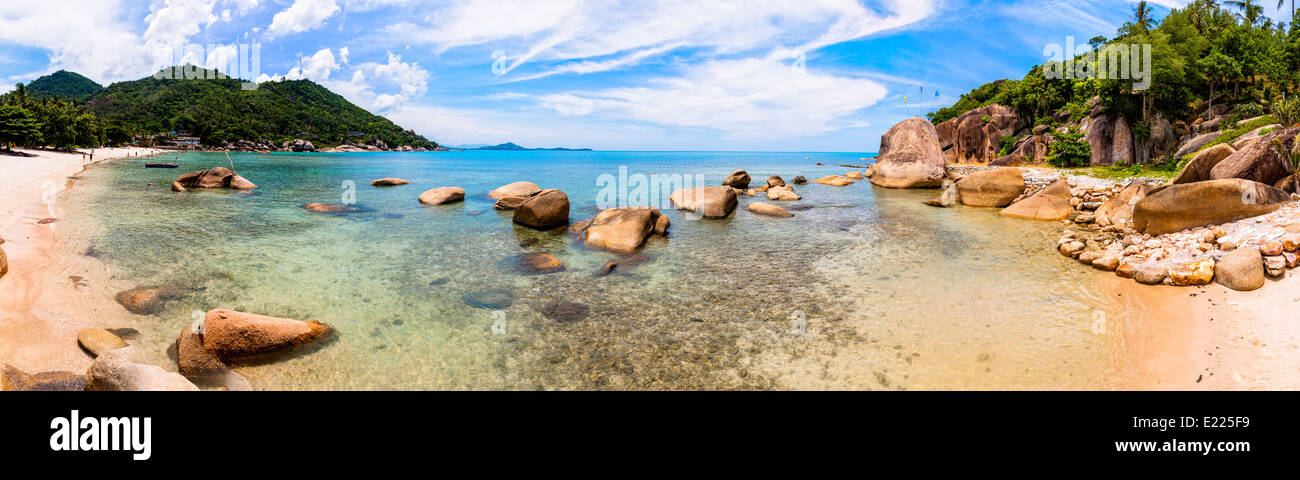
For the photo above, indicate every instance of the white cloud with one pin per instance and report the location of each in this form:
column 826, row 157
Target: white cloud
column 630, row 30
column 316, row 67
column 343, row 54
column 302, row 16
column 382, row 86
column 747, row 98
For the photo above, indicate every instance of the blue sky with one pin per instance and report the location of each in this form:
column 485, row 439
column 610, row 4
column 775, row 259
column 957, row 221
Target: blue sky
column 786, row 75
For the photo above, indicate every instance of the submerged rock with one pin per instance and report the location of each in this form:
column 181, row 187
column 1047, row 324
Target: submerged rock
column 236, row 336
column 114, row 371
column 97, row 341
column 442, row 195
column 492, row 299
column 146, row 300
column 330, row 208
column 15, row 380
column 533, row 264
column 566, row 312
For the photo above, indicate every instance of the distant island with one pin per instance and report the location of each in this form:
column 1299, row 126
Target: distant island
column 513, row 147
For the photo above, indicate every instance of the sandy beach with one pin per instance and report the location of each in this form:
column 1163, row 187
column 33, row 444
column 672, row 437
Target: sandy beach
column 35, row 338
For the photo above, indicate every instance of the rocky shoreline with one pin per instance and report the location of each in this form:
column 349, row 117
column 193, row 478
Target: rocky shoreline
column 306, row 146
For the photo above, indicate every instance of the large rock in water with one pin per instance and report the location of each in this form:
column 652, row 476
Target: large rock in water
column 114, row 371
column 442, row 195
column 769, row 209
column 389, row 182
column 992, row 188
column 146, row 300
column 1173, row 208
column 97, row 341
column 910, row 157
column 738, row 179
column 546, row 209
column 1119, row 209
column 235, row 336
column 710, row 202
column 517, row 189
column 216, row 177
column 1259, row 161
column 622, row 230
column 1241, row 270
column 192, row 359
column 1052, row 203
column 1198, row 170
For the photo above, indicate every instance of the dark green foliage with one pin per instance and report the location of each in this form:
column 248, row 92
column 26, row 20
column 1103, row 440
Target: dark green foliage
column 221, row 110
column 216, row 110
column 17, row 127
column 1069, row 151
column 64, row 84
column 1005, row 145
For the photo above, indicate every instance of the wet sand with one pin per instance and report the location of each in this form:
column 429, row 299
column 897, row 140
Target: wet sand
column 38, row 328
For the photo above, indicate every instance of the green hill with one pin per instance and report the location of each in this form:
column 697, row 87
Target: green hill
column 221, row 111
column 64, row 84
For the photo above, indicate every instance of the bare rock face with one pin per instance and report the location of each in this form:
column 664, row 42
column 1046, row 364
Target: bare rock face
column 1119, row 209
column 236, row 336
column 910, row 157
column 992, row 188
column 216, row 177
column 114, row 371
column 546, row 209
column 1052, row 203
column 710, row 202
column 442, row 195
column 1110, row 140
column 622, row 230
column 1259, row 161
column 1162, row 139
column 1173, row 208
column 975, row 135
column 298, row 145
column 517, row 189
column 1198, row 169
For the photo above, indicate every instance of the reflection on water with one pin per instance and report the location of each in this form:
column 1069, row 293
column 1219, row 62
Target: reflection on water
column 867, row 289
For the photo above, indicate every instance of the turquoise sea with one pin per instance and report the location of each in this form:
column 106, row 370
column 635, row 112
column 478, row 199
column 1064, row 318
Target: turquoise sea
column 867, row 289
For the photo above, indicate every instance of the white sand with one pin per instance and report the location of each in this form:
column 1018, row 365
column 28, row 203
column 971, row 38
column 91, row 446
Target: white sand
column 23, row 180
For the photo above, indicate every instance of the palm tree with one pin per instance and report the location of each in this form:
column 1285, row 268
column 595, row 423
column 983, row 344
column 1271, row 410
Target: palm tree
column 1142, row 16
column 1249, row 11
column 1283, row 2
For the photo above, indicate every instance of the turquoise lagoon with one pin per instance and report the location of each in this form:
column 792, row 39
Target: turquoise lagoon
column 868, row 289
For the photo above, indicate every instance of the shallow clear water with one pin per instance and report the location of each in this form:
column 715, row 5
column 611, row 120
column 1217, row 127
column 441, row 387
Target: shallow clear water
column 868, row 289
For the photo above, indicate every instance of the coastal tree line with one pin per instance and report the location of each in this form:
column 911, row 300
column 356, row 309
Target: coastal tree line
column 218, row 111
column 1205, row 54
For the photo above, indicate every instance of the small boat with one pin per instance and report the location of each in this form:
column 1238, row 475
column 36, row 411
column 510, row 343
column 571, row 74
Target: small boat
column 161, row 165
